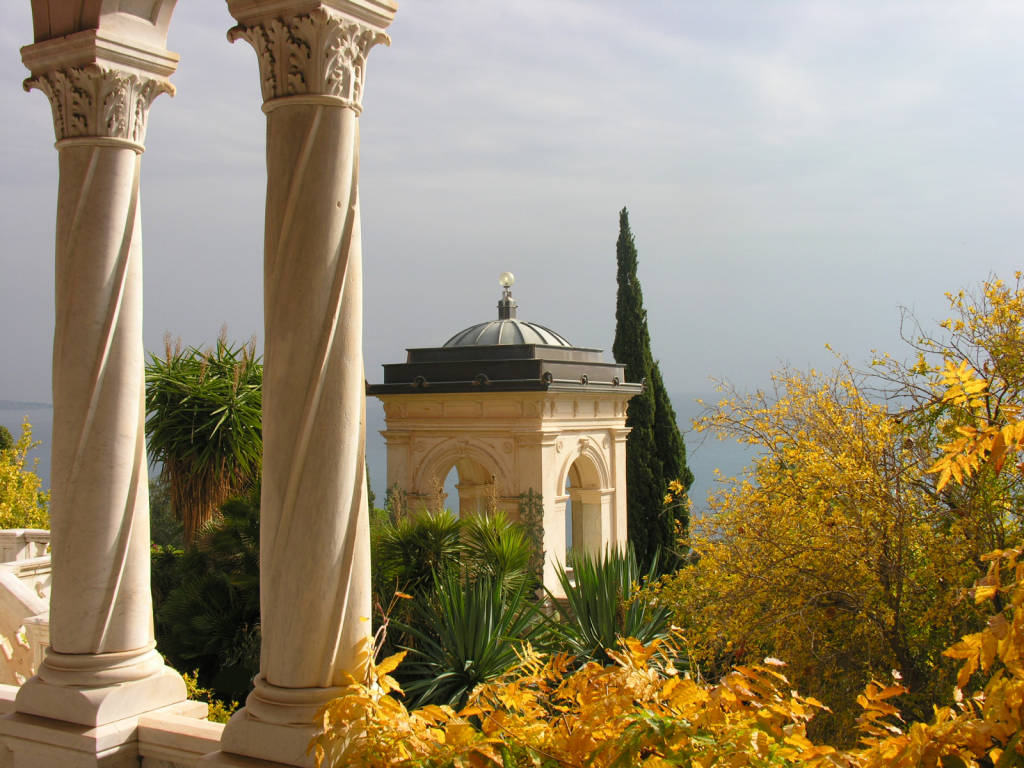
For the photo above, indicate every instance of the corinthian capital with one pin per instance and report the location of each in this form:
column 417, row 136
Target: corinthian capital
column 320, row 53
column 95, row 101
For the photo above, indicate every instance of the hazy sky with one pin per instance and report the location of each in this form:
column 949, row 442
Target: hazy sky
column 795, row 171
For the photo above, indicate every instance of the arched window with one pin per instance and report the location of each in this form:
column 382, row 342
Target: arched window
column 583, row 509
column 468, row 488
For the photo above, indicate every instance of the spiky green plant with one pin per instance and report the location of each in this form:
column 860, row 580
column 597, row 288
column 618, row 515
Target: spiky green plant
column 410, row 551
column 602, row 608
column 467, row 632
column 497, row 547
column 204, row 425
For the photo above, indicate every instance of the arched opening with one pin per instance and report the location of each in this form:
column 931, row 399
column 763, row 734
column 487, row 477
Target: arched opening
column 583, row 508
column 467, row 488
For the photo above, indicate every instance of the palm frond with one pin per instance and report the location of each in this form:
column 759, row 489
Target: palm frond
column 204, row 425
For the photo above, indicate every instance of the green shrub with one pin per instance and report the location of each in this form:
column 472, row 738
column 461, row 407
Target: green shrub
column 207, row 600
column 603, row 606
column 467, row 630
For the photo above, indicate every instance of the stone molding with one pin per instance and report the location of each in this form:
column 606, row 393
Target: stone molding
column 99, row 102
column 321, row 53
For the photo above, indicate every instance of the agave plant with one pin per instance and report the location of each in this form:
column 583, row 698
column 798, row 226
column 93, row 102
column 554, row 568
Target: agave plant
column 602, row 608
column 204, row 425
column 468, row 631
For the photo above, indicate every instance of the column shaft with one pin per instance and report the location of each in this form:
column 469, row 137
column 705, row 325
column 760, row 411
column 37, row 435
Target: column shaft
column 314, row 522
column 100, row 507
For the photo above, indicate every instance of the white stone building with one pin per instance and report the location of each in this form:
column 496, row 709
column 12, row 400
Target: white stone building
column 514, row 407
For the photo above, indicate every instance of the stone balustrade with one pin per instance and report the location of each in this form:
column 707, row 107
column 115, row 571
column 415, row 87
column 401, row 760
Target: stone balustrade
column 24, row 602
column 17, row 544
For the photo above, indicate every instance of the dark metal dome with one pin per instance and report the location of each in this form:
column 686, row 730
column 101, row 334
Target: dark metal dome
column 504, row 355
column 507, row 331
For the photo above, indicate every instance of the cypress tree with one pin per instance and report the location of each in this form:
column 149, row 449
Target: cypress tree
column 655, row 453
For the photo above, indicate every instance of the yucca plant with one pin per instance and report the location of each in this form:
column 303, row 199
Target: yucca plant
column 602, row 604
column 204, row 425
column 467, row 631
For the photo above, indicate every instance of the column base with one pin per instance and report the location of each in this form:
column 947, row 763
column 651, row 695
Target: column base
column 275, row 726
column 99, row 705
column 34, row 741
column 248, row 742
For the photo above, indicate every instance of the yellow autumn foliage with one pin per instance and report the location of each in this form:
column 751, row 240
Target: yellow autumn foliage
column 845, row 549
column 635, row 712
column 980, row 726
column 829, row 553
column 640, row 711
column 22, row 502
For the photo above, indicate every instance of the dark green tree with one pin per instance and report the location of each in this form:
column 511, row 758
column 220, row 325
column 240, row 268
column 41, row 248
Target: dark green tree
column 207, row 599
column 655, row 453
column 667, row 437
column 6, row 440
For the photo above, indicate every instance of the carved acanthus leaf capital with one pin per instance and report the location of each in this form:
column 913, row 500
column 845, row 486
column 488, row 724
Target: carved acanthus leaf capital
column 321, row 53
column 95, row 101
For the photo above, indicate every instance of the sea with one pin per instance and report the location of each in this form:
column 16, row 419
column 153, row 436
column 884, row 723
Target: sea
column 704, row 454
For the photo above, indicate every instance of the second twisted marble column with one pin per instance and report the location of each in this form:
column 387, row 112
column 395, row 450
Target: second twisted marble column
column 314, row 531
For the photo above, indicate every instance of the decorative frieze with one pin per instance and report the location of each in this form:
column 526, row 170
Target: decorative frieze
column 317, row 54
column 94, row 101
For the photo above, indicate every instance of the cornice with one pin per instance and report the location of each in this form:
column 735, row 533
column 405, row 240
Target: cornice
column 92, row 46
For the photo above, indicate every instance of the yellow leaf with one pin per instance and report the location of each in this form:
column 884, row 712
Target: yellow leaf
column 389, row 664
column 984, row 593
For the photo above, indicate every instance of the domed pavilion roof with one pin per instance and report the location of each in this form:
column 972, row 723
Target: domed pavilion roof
column 506, row 354
column 507, row 331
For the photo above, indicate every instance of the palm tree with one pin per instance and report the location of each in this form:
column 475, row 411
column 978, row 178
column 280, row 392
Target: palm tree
column 204, row 425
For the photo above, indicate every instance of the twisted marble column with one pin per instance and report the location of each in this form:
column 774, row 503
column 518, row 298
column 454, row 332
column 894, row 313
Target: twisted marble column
column 102, row 664
column 314, row 527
